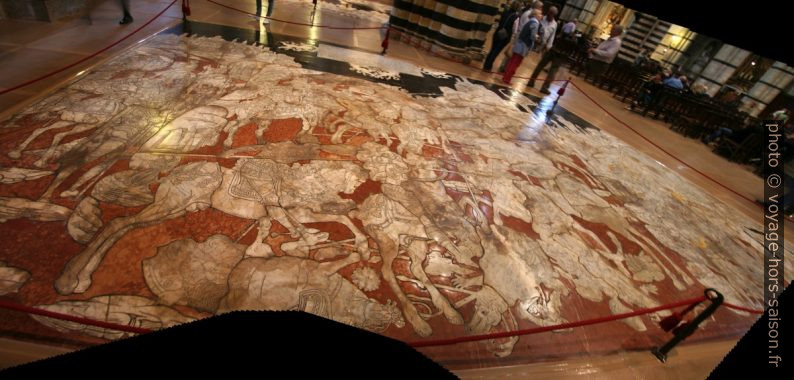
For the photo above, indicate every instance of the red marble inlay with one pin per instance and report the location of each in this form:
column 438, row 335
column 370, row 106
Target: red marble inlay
column 364, row 190
column 519, row 225
column 41, row 247
column 121, row 271
column 578, row 161
column 245, row 135
column 585, row 178
column 278, row 235
column 432, row 151
column 27, row 189
column 249, row 153
column 531, row 179
column 282, row 130
column 334, row 157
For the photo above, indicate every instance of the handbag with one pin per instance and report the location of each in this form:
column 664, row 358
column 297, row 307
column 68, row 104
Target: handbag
column 502, row 34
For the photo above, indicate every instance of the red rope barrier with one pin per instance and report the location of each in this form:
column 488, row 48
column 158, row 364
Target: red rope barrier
column 66, row 317
column 615, row 317
column 45, row 76
column 663, row 150
column 427, row 343
column 742, row 308
column 293, row 22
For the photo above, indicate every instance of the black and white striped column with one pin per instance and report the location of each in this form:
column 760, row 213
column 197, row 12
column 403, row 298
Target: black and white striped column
column 453, row 28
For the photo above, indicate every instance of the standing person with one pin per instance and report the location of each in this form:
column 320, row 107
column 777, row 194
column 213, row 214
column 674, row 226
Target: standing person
column 518, row 25
column 125, row 6
column 548, row 29
column 503, row 34
column 781, row 115
column 652, row 87
column 526, row 15
column 676, row 82
column 602, row 56
column 259, row 11
column 642, row 58
column 523, row 45
column 550, row 54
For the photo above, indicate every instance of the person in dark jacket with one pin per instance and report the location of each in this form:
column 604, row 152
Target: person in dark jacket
column 553, row 56
column 503, row 33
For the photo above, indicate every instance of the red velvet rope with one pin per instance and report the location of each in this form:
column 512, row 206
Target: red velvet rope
column 562, row 326
column 742, row 308
column 426, row 343
column 66, row 317
column 45, row 76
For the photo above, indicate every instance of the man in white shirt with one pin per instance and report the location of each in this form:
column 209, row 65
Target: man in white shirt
column 605, row 53
column 526, row 15
column 548, row 27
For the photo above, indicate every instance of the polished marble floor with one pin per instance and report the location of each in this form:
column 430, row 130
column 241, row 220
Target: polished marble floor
column 247, row 169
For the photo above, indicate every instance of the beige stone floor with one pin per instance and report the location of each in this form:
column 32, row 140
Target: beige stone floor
column 29, row 49
column 685, row 362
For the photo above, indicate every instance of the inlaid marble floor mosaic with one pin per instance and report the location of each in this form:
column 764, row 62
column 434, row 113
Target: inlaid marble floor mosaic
column 192, row 176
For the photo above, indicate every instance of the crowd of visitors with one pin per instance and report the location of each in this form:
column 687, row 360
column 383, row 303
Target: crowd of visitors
column 524, row 28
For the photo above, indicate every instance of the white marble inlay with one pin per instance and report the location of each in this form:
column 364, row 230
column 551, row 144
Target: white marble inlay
column 294, row 46
column 363, row 59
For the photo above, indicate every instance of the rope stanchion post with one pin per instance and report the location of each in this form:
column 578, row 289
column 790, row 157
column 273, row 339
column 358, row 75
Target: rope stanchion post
column 688, row 328
column 185, row 9
column 385, row 43
column 560, row 93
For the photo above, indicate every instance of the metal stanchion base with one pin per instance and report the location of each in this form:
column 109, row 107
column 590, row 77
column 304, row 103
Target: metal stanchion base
column 659, row 355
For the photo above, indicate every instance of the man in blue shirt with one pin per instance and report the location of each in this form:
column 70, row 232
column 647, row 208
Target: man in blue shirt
column 674, row 82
